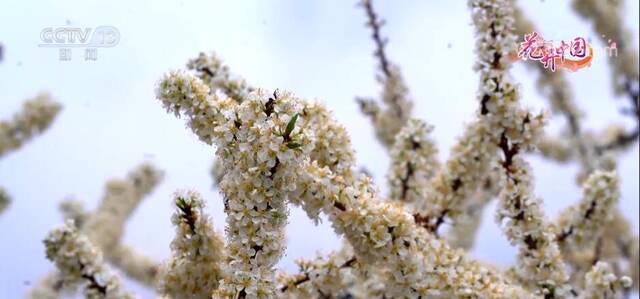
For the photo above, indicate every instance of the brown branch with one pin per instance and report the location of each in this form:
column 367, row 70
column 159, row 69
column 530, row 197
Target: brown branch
column 187, row 213
column 381, row 42
column 405, row 181
column 626, row 139
column 305, row 277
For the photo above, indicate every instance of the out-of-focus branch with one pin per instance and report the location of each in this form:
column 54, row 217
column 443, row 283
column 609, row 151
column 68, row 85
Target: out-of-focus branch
column 105, row 227
column 35, row 117
column 607, row 21
column 388, row 120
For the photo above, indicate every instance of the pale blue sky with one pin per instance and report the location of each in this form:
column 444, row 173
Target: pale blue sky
column 317, row 49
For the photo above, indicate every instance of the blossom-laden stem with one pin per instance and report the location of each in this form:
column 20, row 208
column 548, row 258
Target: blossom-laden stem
column 591, row 150
column 211, row 70
column 260, row 143
column 580, row 228
column 380, row 233
column 383, row 234
column 331, row 137
column 198, row 253
column 53, row 285
column 333, row 276
column 471, row 158
column 540, row 265
column 105, row 227
column 389, row 121
column 580, row 225
column 36, row 115
column 450, row 191
column 413, row 162
column 79, row 260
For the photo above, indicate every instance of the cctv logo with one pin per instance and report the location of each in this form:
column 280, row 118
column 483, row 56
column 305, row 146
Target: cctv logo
column 102, row 37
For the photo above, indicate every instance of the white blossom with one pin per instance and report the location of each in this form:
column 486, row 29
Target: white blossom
column 198, row 253
column 413, row 162
column 79, row 260
column 601, row 283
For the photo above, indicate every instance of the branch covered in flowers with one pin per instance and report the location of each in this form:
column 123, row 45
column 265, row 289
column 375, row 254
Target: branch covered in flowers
column 80, row 261
column 414, row 162
column 392, row 240
column 211, row 70
column 333, row 276
column 198, row 253
column 579, row 226
column 539, row 265
column 35, row 117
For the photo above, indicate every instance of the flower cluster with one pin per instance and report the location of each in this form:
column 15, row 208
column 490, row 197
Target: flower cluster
column 620, row 247
column 195, row 267
column 414, row 162
column 450, row 191
column 260, row 145
column 602, row 283
column 211, row 70
column 35, row 117
column 332, row 276
column 579, row 225
column 79, row 260
column 539, row 264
